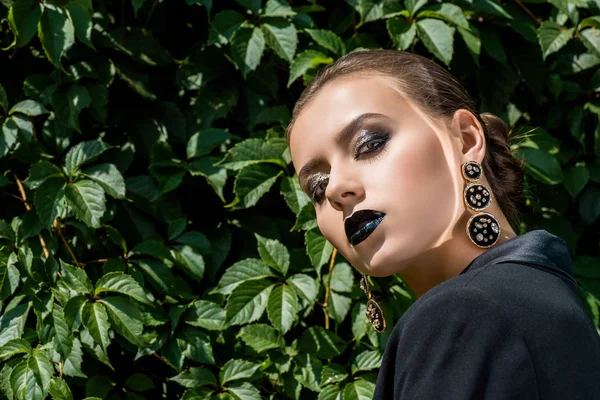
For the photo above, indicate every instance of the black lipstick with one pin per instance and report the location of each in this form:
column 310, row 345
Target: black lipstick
column 361, row 224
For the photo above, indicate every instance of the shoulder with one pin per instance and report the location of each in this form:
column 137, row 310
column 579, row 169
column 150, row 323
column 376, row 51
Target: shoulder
column 456, row 303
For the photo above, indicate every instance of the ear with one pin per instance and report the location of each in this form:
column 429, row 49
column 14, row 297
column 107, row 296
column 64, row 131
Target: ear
column 471, row 135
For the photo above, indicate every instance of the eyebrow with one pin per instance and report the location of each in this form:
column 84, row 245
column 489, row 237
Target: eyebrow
column 341, row 139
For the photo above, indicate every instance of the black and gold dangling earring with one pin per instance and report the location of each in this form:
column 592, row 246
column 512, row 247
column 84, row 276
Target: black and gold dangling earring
column 483, row 228
column 374, row 312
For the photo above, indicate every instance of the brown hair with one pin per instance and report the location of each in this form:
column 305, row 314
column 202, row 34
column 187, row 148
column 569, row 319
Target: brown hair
column 439, row 94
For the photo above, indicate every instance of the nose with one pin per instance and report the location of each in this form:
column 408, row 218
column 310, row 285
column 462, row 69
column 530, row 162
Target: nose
column 344, row 190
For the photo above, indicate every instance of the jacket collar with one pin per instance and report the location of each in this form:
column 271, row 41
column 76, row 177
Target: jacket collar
column 535, row 248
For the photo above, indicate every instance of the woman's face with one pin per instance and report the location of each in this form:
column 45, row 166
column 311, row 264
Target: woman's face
column 384, row 179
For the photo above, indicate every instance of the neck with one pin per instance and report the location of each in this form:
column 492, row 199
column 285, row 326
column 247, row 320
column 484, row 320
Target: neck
column 448, row 259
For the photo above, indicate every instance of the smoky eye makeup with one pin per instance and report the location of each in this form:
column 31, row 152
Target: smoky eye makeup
column 315, row 186
column 371, row 140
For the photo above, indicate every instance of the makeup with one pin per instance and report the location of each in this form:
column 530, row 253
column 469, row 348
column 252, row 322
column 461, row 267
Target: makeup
column 361, row 224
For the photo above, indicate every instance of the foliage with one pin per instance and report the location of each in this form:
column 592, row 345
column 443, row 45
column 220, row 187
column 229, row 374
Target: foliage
column 154, row 241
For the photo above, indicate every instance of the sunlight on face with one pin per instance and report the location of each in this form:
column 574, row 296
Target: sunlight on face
column 360, row 146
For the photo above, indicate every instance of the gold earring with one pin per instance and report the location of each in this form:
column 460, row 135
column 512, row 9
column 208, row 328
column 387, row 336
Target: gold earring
column 374, row 312
column 482, row 228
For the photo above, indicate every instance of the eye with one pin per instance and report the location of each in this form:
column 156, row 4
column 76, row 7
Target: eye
column 370, row 145
column 318, row 187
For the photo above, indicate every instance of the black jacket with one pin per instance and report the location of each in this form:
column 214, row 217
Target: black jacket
column 510, row 326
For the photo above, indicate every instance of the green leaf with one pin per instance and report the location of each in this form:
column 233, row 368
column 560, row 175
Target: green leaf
column 282, row 307
column 541, row 165
column 491, row 43
column 59, row 390
column 471, row 38
column 244, row 391
column 342, row 279
column 49, row 201
column 366, row 361
column 56, row 33
column 237, row 369
column 118, row 282
column 29, row 107
column 360, row 389
column 575, row 179
column 240, row 272
column 318, row 248
column 305, row 286
column 491, row 7
column 251, row 151
column 553, row 37
column 261, row 337
column 14, row 347
column 72, row 365
column 100, row 386
column 76, row 279
column 159, row 273
column 591, row 38
column 68, row 101
column 3, row 99
column 125, row 317
column 593, row 22
column 247, row 46
column 401, row 32
column 80, row 12
column 42, row 369
column 589, row 204
column 328, row 40
column 338, row 306
column 333, row 373
column 448, row 12
column 321, row 342
column 23, row 18
column 414, row 5
column 223, row 26
column 215, row 176
column 273, row 253
column 40, row 172
column 200, row 394
column 247, row 302
column 281, row 37
column 305, row 61
column 204, row 142
column 252, row 183
column 438, row 37
column 189, row 260
column 195, row 377
column 24, row 383
column 206, row 314
column 83, row 153
column 95, row 320
column 196, row 345
column 139, row 382
column 109, row 177
column 13, row 127
column 293, row 194
column 86, row 199
column 278, row 8
column 63, row 339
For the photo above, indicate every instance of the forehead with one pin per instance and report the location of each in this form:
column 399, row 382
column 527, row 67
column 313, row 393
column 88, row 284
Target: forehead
column 335, row 105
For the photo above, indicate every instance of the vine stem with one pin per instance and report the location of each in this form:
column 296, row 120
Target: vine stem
column 64, row 240
column 28, row 208
column 328, row 288
column 528, row 11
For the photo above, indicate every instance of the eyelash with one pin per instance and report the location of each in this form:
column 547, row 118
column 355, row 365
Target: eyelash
column 379, row 139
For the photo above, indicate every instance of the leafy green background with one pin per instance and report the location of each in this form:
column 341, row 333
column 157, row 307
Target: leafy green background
column 154, row 241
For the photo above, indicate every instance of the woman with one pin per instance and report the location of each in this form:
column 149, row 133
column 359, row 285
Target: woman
column 407, row 178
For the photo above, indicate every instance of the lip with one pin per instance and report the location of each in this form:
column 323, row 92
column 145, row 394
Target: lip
column 361, row 224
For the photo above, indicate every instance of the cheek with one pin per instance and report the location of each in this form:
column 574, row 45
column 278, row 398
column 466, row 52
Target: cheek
column 330, row 225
